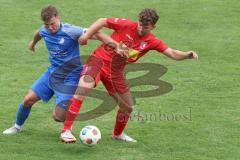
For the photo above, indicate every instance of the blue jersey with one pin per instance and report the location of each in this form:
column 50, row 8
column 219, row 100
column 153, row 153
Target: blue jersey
column 62, row 45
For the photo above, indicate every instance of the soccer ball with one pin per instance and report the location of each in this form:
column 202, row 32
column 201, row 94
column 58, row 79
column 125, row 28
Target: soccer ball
column 90, row 135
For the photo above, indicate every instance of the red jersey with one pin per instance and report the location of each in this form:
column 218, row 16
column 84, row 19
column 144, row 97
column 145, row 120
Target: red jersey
column 125, row 31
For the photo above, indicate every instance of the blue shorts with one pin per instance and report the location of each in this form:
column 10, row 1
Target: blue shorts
column 47, row 85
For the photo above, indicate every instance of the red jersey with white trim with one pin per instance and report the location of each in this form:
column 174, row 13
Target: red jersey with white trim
column 125, row 31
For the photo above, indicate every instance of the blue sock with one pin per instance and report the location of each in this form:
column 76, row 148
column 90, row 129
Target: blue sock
column 22, row 114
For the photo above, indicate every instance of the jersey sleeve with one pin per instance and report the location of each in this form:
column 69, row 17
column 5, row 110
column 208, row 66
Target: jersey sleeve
column 118, row 23
column 74, row 31
column 42, row 30
column 159, row 45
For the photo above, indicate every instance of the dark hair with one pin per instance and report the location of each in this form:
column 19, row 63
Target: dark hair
column 48, row 12
column 148, row 16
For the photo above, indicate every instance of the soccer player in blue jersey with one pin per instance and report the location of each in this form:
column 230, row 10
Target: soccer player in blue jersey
column 61, row 40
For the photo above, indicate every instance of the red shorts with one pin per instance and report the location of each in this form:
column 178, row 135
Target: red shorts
column 110, row 73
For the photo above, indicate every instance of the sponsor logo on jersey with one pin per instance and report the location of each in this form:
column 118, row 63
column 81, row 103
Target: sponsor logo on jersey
column 61, row 40
column 143, row 45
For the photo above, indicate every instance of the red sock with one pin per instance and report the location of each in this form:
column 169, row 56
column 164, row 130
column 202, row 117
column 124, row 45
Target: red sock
column 72, row 113
column 121, row 122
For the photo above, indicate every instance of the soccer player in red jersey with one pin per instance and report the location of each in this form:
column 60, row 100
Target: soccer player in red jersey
column 133, row 40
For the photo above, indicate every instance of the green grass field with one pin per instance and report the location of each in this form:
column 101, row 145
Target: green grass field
column 208, row 87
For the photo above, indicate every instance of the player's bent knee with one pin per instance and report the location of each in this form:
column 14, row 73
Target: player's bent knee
column 28, row 101
column 59, row 114
column 130, row 109
column 57, row 119
column 87, row 81
column 127, row 109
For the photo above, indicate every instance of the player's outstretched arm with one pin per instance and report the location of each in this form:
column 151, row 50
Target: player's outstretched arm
column 35, row 39
column 93, row 29
column 180, row 55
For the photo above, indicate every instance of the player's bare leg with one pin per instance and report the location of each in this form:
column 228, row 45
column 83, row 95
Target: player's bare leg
column 59, row 114
column 126, row 103
column 86, row 83
column 23, row 112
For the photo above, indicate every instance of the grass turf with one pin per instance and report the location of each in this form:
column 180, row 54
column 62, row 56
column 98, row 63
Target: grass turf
column 209, row 87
